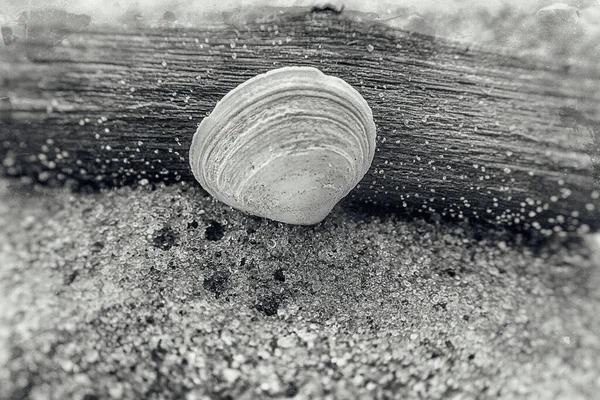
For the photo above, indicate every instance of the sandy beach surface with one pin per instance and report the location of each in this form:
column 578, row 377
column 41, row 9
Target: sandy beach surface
column 165, row 293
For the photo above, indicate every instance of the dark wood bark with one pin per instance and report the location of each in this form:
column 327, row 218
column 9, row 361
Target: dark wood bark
column 462, row 131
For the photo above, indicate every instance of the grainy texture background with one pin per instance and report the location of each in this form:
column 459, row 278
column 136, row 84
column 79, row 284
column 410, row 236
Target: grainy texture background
column 160, row 294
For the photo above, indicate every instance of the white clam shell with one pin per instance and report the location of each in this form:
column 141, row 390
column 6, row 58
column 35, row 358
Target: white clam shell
column 287, row 145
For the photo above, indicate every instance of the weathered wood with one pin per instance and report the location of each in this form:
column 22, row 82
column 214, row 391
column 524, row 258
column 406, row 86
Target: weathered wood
column 462, row 131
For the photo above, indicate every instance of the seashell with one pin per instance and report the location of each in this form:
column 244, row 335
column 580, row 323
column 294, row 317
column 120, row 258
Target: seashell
column 287, row 145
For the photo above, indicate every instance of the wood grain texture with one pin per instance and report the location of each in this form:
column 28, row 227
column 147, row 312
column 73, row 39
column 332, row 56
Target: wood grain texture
column 463, row 132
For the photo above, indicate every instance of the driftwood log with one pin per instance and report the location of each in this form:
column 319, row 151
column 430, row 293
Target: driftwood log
column 463, row 132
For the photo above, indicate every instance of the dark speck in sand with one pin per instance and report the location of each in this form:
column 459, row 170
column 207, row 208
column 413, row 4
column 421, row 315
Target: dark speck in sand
column 96, row 247
column 192, row 225
column 164, row 238
column 278, row 275
column 72, row 276
column 158, row 353
column 214, row 231
column 292, row 390
column 217, row 283
column 268, row 305
column 253, row 224
column 451, row 272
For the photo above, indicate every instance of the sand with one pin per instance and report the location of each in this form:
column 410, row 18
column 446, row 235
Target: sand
column 161, row 292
